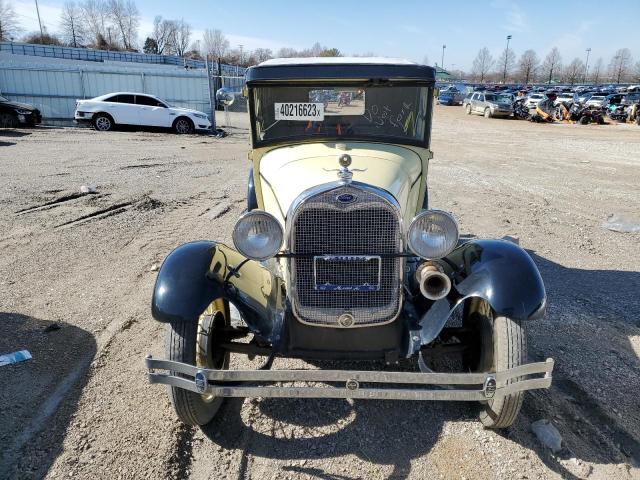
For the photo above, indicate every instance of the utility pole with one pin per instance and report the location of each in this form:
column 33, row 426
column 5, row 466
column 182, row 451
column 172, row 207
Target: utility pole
column 442, row 63
column 506, row 58
column 241, row 47
column 39, row 23
column 586, row 68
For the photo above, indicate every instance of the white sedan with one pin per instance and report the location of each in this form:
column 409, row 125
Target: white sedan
column 126, row 108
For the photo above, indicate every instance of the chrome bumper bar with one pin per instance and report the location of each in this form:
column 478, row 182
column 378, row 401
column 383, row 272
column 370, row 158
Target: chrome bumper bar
column 446, row 386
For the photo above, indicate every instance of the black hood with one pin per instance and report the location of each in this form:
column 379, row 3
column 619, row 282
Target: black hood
column 24, row 106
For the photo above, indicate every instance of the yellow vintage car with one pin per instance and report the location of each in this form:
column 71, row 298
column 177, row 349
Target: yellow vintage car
column 340, row 256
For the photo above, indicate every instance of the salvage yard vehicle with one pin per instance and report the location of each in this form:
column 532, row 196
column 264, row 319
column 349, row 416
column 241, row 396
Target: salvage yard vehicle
column 126, row 108
column 17, row 114
column 490, row 105
column 340, row 257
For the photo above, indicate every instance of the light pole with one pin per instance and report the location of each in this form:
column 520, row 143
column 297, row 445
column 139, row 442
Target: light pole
column 442, row 62
column 586, row 68
column 506, row 58
column 39, row 22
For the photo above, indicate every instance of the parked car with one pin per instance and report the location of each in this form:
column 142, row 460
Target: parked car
column 489, row 105
column 596, row 100
column 17, row 114
column 566, row 97
column 584, row 96
column 450, row 96
column 533, row 100
column 140, row 109
column 339, row 256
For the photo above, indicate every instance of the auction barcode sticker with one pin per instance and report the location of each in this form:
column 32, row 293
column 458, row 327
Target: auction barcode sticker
column 299, row 111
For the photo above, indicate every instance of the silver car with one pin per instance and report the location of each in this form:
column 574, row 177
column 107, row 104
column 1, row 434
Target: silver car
column 489, row 105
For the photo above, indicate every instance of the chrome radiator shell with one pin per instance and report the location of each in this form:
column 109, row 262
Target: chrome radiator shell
column 368, row 224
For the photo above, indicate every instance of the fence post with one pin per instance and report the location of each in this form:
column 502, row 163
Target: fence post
column 211, row 95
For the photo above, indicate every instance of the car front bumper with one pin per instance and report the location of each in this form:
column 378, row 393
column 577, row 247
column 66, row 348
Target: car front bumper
column 391, row 385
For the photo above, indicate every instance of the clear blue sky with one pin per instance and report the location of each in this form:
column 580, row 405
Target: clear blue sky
column 408, row 29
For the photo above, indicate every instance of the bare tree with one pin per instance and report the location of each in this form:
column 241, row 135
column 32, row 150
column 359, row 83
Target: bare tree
column 216, row 44
column 180, row 37
column 528, row 65
column 95, row 20
column 71, row 25
column 596, row 72
column 262, row 54
column 552, row 64
column 574, row 71
column 505, row 64
column 126, row 18
column 287, row 52
column 620, row 64
column 637, row 70
column 482, row 64
column 162, row 34
column 9, row 25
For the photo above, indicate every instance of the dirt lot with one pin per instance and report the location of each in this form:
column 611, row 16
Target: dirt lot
column 82, row 407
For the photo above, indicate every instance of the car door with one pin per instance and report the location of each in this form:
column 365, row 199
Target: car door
column 474, row 101
column 122, row 108
column 152, row 112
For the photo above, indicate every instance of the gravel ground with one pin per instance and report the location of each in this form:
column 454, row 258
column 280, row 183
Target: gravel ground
column 82, row 407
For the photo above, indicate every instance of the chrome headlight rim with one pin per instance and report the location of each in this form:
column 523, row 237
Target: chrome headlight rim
column 269, row 216
column 425, row 213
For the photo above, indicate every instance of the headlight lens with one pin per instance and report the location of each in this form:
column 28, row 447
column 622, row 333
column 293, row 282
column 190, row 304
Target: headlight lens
column 258, row 235
column 199, row 115
column 432, row 234
column 21, row 111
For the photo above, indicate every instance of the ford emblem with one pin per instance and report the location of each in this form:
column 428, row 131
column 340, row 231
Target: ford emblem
column 346, row 198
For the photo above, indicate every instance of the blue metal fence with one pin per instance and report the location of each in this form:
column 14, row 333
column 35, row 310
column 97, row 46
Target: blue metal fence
column 91, row 55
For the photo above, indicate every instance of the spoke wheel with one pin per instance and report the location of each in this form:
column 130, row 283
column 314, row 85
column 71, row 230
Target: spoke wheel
column 195, row 343
column 183, row 126
column 103, row 123
column 500, row 344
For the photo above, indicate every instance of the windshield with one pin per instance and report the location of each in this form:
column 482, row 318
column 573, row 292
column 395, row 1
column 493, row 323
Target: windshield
column 392, row 113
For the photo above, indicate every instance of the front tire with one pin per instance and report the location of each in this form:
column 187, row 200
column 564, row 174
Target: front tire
column 183, row 126
column 487, row 113
column 502, row 345
column 194, row 343
column 103, row 122
column 8, row 120
column 468, row 109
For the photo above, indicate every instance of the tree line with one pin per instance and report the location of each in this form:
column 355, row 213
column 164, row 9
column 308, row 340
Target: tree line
column 529, row 68
column 114, row 25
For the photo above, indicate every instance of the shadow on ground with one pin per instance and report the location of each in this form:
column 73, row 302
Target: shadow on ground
column 39, row 396
column 10, row 133
column 395, row 433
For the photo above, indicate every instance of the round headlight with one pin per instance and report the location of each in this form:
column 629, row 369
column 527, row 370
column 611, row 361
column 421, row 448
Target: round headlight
column 432, row 234
column 257, row 235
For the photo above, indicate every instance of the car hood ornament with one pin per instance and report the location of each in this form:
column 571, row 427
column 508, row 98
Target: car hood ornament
column 344, row 174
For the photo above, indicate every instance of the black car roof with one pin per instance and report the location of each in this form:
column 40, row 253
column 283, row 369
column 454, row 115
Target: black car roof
column 339, row 68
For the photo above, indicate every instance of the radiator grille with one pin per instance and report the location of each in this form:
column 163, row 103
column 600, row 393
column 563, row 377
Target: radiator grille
column 365, row 283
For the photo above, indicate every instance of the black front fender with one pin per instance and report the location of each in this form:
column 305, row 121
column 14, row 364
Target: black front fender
column 196, row 273
column 183, row 290
column 497, row 271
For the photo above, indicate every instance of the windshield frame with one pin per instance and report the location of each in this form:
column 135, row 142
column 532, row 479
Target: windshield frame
column 4, row 99
column 423, row 142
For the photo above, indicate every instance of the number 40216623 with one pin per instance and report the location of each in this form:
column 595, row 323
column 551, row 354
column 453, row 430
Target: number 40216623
column 299, row 111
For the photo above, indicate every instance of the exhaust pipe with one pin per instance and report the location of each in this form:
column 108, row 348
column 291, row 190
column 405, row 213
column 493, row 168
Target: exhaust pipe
column 434, row 284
